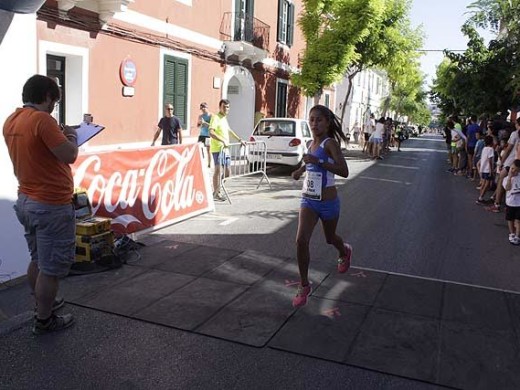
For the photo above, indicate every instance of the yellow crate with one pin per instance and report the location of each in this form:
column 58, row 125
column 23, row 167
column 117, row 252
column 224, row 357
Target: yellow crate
column 92, row 226
column 92, row 247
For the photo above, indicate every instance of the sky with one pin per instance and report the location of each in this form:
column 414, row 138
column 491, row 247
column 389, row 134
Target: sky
column 441, row 20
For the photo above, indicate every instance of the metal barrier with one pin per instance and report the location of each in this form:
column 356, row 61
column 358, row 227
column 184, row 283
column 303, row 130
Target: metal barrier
column 245, row 160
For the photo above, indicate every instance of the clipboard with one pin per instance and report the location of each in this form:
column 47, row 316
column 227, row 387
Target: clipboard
column 87, row 131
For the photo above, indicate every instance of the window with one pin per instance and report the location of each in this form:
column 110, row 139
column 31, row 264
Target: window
column 176, row 86
column 305, row 130
column 285, row 22
column 56, row 70
column 281, row 99
column 327, row 100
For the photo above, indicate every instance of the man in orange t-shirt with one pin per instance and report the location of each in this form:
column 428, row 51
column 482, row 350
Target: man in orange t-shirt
column 41, row 152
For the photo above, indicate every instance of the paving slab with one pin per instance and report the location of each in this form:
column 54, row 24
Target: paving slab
column 80, row 286
column 137, row 293
column 192, row 305
column 476, row 306
column 197, row 261
column 356, row 286
column 323, row 328
column 411, row 295
column 474, row 358
column 254, row 317
column 397, row 343
column 247, row 268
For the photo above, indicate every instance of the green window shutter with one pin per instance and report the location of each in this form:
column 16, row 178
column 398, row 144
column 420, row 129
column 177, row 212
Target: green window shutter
column 168, row 80
column 290, row 25
column 181, row 90
column 175, row 82
column 279, row 37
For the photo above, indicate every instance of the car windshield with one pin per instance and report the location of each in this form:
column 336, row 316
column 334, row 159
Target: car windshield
column 276, row 128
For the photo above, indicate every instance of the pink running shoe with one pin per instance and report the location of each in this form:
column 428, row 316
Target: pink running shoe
column 300, row 298
column 344, row 261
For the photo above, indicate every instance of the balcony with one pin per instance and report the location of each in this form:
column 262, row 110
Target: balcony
column 246, row 39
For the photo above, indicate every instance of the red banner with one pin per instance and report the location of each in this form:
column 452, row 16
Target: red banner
column 145, row 188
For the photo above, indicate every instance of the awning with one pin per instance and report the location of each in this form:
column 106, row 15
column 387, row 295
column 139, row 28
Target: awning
column 21, row 6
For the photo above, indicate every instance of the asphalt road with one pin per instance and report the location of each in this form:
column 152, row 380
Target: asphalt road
column 404, row 214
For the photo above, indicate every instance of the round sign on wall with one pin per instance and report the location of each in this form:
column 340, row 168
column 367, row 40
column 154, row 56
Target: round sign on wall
column 128, row 72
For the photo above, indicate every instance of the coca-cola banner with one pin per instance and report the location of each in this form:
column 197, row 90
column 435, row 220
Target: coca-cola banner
column 145, row 188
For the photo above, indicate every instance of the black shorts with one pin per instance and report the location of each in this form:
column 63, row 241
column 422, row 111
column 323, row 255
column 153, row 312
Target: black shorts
column 512, row 213
column 471, row 150
column 202, row 138
column 367, row 136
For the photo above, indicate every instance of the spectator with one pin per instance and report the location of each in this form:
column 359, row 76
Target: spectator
column 203, row 125
column 511, row 184
column 41, row 153
column 170, row 126
column 219, row 132
column 486, row 168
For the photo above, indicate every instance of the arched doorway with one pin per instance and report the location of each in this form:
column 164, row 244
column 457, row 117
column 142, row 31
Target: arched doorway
column 239, row 89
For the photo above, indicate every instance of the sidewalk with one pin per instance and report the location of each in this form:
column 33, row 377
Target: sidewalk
column 435, row 332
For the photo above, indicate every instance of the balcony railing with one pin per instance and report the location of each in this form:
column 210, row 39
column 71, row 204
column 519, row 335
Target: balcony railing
column 238, row 26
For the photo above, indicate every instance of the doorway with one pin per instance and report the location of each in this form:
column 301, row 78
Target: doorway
column 56, row 70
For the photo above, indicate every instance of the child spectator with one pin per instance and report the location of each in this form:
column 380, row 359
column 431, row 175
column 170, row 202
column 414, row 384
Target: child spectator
column 478, row 152
column 486, row 167
column 512, row 186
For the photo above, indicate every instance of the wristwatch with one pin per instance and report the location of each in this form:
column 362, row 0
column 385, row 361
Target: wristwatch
column 320, row 161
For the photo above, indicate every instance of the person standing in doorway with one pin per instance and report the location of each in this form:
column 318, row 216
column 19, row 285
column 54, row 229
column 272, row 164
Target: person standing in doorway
column 203, row 124
column 41, row 153
column 220, row 132
column 170, row 126
column 319, row 196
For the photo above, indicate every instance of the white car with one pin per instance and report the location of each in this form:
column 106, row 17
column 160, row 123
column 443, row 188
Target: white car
column 286, row 139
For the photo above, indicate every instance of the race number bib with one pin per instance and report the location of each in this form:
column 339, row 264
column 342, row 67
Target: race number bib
column 312, row 186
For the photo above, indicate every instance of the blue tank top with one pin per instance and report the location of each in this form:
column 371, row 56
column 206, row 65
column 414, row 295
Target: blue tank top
column 204, row 128
column 318, row 177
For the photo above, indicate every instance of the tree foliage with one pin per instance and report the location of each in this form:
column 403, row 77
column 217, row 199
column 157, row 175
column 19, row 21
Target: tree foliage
column 332, row 28
column 484, row 79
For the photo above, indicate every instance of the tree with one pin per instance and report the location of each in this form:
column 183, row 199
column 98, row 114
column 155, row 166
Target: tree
column 332, row 28
column 391, row 46
column 483, row 80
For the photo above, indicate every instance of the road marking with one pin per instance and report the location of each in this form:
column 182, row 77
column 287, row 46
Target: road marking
column 359, row 274
column 228, row 221
column 290, row 283
column 440, row 280
column 398, row 166
column 386, row 180
column 332, row 313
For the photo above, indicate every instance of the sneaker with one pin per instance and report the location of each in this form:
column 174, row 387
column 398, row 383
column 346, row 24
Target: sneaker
column 56, row 305
column 512, row 237
column 54, row 324
column 480, row 201
column 344, row 261
column 300, row 298
column 219, row 197
column 515, row 240
column 494, row 209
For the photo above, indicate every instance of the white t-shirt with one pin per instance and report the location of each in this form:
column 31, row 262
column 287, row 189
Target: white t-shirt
column 487, row 153
column 513, row 196
column 378, row 133
column 369, row 125
column 513, row 140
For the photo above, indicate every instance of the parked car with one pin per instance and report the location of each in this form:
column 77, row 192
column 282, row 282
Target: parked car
column 286, row 140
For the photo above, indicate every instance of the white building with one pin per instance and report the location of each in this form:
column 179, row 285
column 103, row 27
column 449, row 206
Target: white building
column 369, row 90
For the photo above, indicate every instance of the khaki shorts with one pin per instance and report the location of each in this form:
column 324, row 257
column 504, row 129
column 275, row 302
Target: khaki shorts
column 50, row 232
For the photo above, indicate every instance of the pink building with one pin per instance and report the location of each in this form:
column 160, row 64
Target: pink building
column 122, row 61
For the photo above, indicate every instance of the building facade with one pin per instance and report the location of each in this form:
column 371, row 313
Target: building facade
column 368, row 92
column 123, row 60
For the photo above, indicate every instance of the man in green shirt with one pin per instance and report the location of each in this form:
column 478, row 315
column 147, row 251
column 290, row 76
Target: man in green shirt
column 219, row 131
